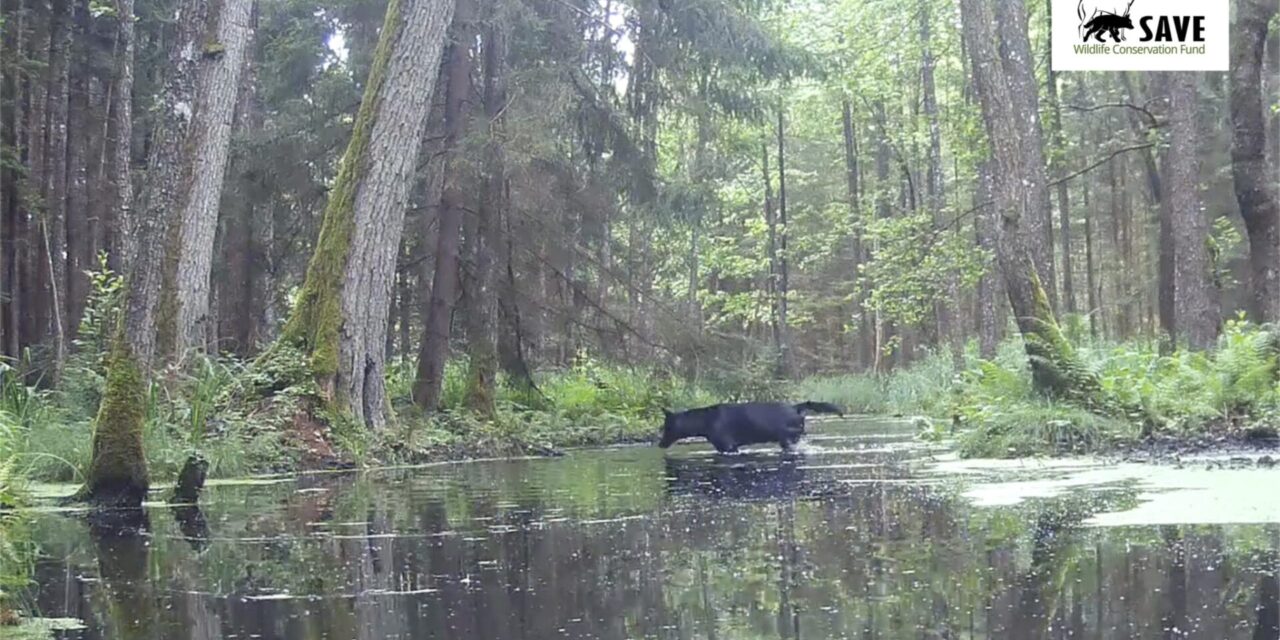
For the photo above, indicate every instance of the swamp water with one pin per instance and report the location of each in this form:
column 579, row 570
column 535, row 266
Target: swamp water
column 864, row 533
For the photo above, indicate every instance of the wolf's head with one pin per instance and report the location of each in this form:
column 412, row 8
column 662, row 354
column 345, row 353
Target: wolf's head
column 670, row 429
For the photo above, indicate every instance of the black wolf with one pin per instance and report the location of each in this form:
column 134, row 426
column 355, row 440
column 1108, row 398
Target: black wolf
column 1104, row 22
column 729, row 426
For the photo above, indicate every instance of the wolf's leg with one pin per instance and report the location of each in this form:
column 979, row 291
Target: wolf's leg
column 723, row 444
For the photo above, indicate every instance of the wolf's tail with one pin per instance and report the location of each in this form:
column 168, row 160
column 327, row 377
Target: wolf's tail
column 819, row 407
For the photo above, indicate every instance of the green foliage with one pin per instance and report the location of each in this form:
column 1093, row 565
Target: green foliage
column 1225, row 245
column 922, row 388
column 101, row 309
column 913, row 264
column 1144, row 393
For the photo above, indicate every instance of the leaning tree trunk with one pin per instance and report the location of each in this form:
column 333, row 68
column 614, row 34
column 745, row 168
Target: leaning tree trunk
column 186, row 322
column 1195, row 303
column 340, row 319
column 118, row 469
column 1255, row 181
column 434, row 348
column 1055, row 369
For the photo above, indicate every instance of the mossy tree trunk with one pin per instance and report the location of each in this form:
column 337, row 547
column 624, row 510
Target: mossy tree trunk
column 186, row 321
column 1055, row 369
column 482, row 348
column 341, row 316
column 118, row 470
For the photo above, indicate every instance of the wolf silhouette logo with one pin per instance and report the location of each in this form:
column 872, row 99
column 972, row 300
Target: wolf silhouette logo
column 1104, row 22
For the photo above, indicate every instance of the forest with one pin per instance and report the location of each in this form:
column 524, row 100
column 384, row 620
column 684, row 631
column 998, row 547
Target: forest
column 282, row 234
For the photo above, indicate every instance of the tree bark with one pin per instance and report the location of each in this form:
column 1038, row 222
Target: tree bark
column 81, row 248
column 35, row 266
column 1089, row 264
column 434, row 348
column 1253, row 175
column 341, row 316
column 13, row 238
column 118, row 470
column 786, row 366
column 482, row 350
column 1018, row 63
column 120, row 140
column 1195, row 301
column 1054, row 367
column 1058, row 165
column 54, row 195
column 187, row 321
column 991, row 284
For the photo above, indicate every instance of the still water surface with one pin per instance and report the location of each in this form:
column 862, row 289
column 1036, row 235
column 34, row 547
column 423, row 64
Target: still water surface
column 861, row 535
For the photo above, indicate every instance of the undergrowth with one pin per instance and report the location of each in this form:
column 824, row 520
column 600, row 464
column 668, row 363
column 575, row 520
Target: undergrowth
column 991, row 409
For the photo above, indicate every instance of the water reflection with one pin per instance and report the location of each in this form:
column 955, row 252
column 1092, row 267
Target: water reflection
column 839, row 542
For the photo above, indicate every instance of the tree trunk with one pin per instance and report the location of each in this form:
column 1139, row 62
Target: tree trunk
column 1064, row 202
column 1254, row 177
column 434, row 348
column 991, row 285
column 54, row 220
column 771, row 225
column 482, row 294
column 511, row 333
column 120, row 139
column 12, row 227
column 118, row 469
column 81, row 248
column 1120, row 330
column 785, row 364
column 1089, row 264
column 883, row 333
column 1054, row 366
column 1194, row 299
column 944, row 310
column 186, row 320
column 35, row 266
column 863, row 343
column 247, row 210
column 1018, row 63
column 341, row 316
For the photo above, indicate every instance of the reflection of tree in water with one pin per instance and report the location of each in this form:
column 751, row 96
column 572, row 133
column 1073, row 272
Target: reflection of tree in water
column 123, row 560
column 721, row 553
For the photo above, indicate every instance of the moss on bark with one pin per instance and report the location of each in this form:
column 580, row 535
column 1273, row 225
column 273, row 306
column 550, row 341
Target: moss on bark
column 1056, row 370
column 316, row 322
column 118, row 470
